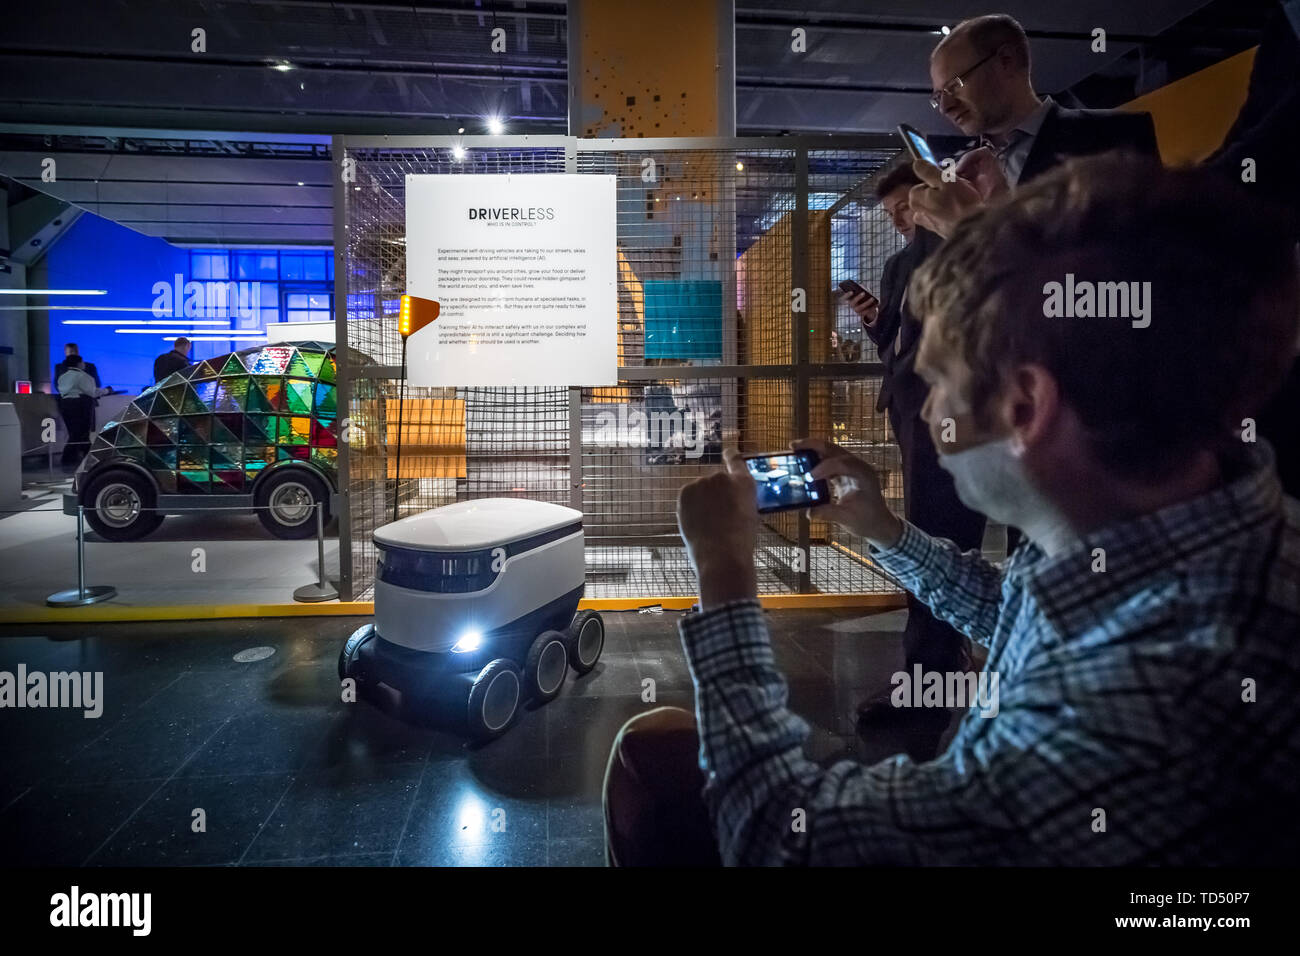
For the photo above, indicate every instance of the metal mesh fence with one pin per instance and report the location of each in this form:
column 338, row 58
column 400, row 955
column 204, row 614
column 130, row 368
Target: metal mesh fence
column 713, row 348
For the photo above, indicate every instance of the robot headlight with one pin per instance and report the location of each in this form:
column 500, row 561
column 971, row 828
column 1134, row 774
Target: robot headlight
column 469, row 641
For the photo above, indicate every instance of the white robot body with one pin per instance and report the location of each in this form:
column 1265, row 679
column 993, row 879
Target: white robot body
column 476, row 604
column 472, row 568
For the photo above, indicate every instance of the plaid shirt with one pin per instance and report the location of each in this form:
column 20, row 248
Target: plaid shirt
column 1125, row 733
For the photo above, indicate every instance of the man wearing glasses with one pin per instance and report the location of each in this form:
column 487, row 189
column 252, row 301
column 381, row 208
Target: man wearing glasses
column 980, row 73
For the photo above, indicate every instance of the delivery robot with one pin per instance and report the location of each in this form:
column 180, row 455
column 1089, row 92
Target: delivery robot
column 478, row 600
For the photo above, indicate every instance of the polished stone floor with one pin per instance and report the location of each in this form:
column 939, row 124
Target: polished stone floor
column 281, row 771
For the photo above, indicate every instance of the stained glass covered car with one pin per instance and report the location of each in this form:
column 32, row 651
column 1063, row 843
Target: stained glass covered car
column 255, row 428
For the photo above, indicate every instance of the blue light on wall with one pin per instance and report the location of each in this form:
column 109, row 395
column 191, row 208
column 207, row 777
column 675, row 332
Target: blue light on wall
column 219, row 298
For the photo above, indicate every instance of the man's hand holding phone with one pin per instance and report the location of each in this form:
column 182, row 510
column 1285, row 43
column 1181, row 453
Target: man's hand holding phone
column 857, row 503
column 866, row 305
column 718, row 518
column 938, row 204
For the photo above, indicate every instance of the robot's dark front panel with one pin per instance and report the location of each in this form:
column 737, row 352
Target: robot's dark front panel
column 405, row 666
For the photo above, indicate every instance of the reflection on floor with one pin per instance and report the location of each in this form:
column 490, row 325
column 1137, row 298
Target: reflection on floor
column 285, row 772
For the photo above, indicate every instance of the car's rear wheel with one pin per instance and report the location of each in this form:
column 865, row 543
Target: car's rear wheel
column 286, row 502
column 120, row 505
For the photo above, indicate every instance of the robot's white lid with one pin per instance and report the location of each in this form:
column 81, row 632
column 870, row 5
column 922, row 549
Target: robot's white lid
column 472, row 525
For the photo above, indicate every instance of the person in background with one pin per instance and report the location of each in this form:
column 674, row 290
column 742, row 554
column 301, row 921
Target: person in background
column 77, row 394
column 1128, row 687
column 70, row 350
column 981, row 77
column 844, row 349
column 173, row 361
column 929, row 497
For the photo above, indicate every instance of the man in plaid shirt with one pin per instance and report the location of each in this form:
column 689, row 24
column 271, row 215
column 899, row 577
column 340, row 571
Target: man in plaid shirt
column 1146, row 636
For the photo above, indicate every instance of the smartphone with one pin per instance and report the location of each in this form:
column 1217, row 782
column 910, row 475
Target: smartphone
column 916, row 144
column 849, row 287
column 782, row 480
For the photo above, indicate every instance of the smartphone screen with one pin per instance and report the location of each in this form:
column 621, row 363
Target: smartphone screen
column 917, row 145
column 782, row 481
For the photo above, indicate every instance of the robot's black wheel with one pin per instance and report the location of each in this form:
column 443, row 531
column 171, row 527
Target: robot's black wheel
column 348, row 656
column 494, row 699
column 545, row 666
column 586, row 640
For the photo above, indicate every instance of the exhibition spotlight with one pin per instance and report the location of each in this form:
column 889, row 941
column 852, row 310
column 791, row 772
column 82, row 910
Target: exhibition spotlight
column 495, row 126
column 415, row 313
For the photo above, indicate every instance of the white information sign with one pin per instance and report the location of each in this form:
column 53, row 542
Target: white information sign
column 525, row 269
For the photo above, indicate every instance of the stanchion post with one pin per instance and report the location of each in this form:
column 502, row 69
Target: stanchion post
column 322, row 590
column 82, row 595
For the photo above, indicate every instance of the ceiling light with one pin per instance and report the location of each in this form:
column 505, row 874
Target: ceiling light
column 53, row 292
column 945, row 31
column 173, row 321
column 284, row 66
column 495, row 126
column 740, row 165
column 458, row 152
column 165, row 331
column 219, row 338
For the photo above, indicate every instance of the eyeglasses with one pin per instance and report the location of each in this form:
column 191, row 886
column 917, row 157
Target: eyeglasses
column 950, row 88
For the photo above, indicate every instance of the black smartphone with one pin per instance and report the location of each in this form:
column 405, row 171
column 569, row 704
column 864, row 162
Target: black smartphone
column 782, row 480
column 849, row 287
column 917, row 144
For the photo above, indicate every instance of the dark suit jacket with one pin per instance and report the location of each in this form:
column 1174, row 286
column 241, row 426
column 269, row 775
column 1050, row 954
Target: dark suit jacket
column 1067, row 133
column 902, row 392
column 167, row 363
